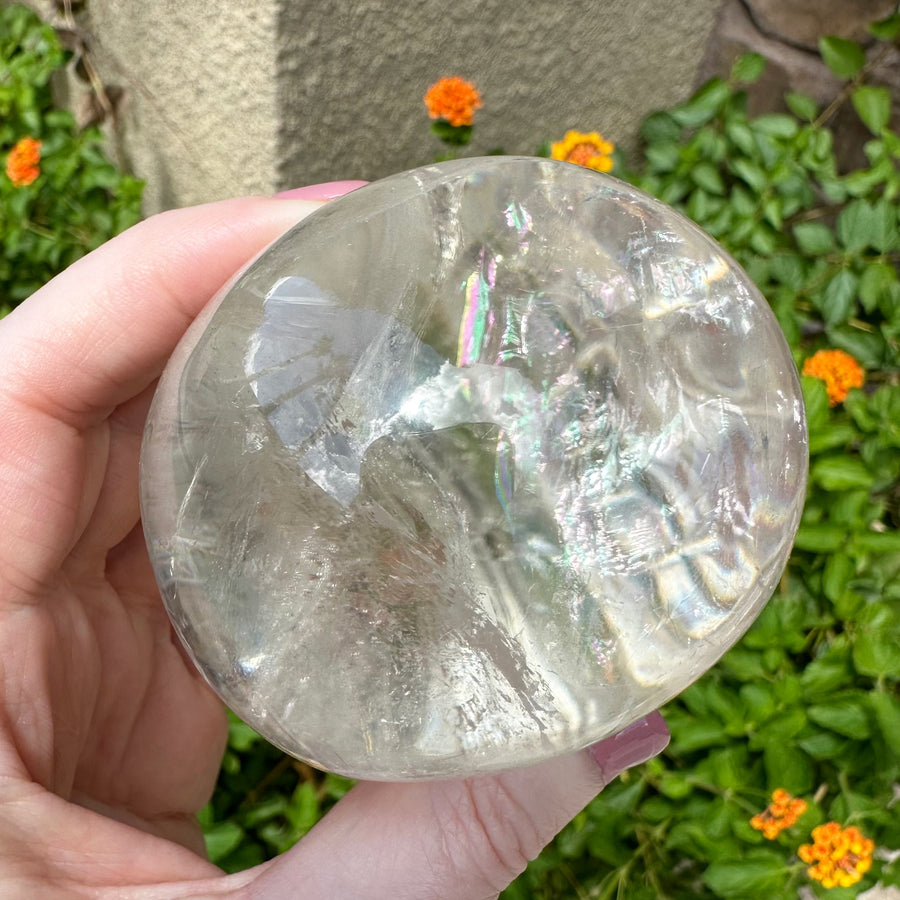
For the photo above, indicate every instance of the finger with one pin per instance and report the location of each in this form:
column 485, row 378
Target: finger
column 115, row 507
column 453, row 840
column 327, row 191
column 102, row 330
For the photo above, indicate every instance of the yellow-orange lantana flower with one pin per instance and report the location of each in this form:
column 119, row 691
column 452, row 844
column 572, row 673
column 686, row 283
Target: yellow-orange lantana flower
column 781, row 813
column 23, row 162
column 453, row 99
column 838, row 857
column 591, row 150
column 839, row 370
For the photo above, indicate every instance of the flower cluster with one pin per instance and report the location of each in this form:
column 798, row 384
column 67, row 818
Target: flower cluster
column 838, row 857
column 839, row 370
column 454, row 100
column 781, row 813
column 591, row 150
column 23, row 162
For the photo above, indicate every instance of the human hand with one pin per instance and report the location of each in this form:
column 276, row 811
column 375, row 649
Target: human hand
column 109, row 739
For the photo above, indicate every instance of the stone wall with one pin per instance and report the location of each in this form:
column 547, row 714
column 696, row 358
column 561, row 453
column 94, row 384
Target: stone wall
column 787, row 33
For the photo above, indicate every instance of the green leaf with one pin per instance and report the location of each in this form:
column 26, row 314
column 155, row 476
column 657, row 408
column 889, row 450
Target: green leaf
column 822, row 744
column 751, row 173
column 776, row 125
column 773, row 212
column 241, row 737
column 844, row 58
column 789, row 270
column 820, row 538
column 844, row 716
column 763, row 240
column 826, row 674
column 264, row 811
column 746, row 878
column 748, row 67
column 876, row 647
column 887, row 714
column 839, row 569
column 867, row 347
column 303, row 811
column 221, row 839
column 781, row 727
column 692, row 735
column 873, row 105
column 663, row 156
column 856, row 226
column 886, row 237
column 886, row 29
column 837, row 300
column 879, row 542
column 787, row 766
column 675, row 785
column 707, row 176
column 660, row 126
column 814, row 238
column 801, row 106
column 744, row 664
column 703, row 105
column 739, row 133
column 454, row 135
column 878, row 281
column 815, row 399
column 838, row 435
column 758, row 699
column 840, row 473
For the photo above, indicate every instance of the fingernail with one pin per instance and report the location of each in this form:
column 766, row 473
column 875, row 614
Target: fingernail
column 630, row 747
column 327, row 191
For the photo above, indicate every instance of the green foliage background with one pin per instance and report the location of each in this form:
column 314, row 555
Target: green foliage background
column 809, row 699
column 80, row 199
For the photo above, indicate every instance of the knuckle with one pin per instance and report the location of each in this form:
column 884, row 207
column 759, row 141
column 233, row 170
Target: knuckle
column 489, row 833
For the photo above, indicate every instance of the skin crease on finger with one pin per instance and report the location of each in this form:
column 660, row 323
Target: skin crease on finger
column 110, row 741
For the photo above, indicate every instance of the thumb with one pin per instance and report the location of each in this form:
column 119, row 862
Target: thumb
column 454, row 840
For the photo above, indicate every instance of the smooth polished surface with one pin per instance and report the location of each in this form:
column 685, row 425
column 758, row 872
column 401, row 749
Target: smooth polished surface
column 477, row 465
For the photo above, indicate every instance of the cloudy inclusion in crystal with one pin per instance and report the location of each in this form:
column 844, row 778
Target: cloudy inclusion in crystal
column 475, row 466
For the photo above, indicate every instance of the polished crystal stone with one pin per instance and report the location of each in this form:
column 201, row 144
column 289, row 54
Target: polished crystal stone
column 475, row 466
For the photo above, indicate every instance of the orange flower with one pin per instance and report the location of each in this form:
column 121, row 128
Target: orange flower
column 839, row 370
column 453, row 99
column 591, row 150
column 781, row 813
column 838, row 857
column 22, row 164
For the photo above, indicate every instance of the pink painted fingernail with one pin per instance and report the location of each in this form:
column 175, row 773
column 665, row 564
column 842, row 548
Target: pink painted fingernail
column 630, row 747
column 327, row 191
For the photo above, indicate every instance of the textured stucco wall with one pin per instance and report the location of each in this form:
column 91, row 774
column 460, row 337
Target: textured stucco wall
column 228, row 98
column 200, row 117
column 353, row 107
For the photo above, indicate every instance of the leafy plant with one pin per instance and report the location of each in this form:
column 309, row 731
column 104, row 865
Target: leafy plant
column 64, row 198
column 264, row 801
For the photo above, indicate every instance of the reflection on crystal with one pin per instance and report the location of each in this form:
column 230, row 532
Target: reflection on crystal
column 475, row 466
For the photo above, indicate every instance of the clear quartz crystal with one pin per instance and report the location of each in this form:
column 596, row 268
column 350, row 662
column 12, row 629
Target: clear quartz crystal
column 475, row 466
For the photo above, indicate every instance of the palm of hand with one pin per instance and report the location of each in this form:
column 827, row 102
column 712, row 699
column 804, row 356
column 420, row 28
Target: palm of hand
column 109, row 713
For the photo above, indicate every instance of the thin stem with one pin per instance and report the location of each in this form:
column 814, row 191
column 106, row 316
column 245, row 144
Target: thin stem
column 849, row 87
